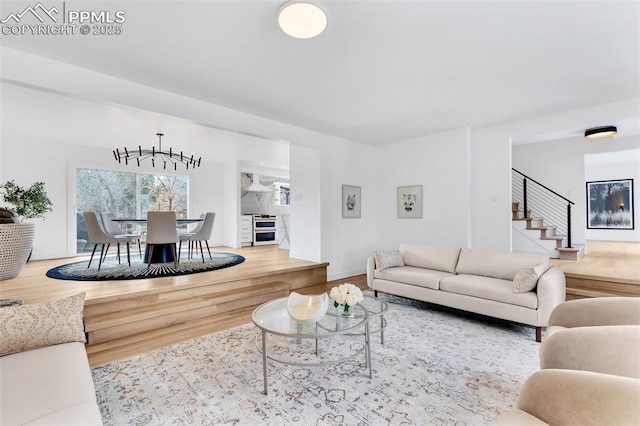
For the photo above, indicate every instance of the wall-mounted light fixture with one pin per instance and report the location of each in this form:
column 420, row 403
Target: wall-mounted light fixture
column 301, row 19
column 157, row 156
column 600, row 132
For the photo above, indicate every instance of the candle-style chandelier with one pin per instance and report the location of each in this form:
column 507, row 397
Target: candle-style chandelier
column 157, row 156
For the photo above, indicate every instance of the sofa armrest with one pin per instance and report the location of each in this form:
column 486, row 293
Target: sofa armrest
column 613, row 349
column 551, row 292
column 371, row 265
column 597, row 311
column 567, row 397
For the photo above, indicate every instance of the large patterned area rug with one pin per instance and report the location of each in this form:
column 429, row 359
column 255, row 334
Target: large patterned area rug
column 436, row 367
column 112, row 270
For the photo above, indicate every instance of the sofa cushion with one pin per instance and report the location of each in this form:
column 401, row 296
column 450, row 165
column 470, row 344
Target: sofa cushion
column 388, row 259
column 496, row 264
column 527, row 278
column 430, row 257
column 416, row 276
column 488, row 288
column 41, row 324
column 41, row 382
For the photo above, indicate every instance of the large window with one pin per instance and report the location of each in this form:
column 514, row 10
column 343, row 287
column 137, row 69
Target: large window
column 127, row 195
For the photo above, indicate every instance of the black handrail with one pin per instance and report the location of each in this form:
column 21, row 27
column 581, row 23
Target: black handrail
column 526, row 200
column 550, row 190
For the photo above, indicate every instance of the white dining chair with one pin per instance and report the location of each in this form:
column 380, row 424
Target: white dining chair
column 185, row 236
column 97, row 235
column 113, row 229
column 204, row 234
column 161, row 230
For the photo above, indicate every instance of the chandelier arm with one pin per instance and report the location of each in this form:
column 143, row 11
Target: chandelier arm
column 139, row 155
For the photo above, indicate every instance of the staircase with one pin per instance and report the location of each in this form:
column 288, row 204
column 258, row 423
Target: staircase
column 541, row 220
column 534, row 236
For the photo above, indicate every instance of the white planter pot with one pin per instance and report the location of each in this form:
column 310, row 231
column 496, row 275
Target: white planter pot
column 16, row 241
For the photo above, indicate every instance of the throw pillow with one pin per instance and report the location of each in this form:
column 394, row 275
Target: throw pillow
column 41, row 324
column 527, row 278
column 388, row 259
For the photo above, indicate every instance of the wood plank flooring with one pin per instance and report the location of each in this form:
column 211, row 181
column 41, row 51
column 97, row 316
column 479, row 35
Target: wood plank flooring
column 124, row 318
column 610, row 268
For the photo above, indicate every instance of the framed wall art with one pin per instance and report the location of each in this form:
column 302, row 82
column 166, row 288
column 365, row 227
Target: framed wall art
column 610, row 204
column 351, row 201
column 410, row 201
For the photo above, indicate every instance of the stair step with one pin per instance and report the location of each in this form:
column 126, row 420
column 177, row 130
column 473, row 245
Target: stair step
column 587, row 293
column 186, row 315
column 147, row 312
column 100, row 353
column 572, row 253
column 554, row 237
column 541, row 228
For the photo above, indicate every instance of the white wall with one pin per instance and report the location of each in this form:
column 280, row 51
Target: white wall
column 440, row 163
column 560, row 165
column 465, row 172
column 305, row 226
column 626, row 166
column 491, row 161
column 45, row 136
column 347, row 242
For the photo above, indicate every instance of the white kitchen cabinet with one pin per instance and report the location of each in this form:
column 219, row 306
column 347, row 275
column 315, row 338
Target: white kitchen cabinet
column 246, row 230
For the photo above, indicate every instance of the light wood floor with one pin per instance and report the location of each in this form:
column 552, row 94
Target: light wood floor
column 610, row 268
column 608, row 259
column 123, row 318
column 33, row 286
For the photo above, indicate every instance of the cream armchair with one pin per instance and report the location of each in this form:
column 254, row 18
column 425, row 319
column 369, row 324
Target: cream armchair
column 600, row 335
column 597, row 311
column 569, row 397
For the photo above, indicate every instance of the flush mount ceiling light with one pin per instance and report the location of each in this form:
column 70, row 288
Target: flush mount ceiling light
column 600, row 132
column 301, row 19
column 157, row 156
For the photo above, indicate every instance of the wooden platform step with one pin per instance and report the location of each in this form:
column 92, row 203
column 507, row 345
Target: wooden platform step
column 150, row 318
column 101, row 353
column 581, row 286
column 209, row 296
column 129, row 324
column 569, row 253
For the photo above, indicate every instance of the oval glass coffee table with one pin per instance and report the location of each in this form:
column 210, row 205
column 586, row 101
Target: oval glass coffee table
column 272, row 318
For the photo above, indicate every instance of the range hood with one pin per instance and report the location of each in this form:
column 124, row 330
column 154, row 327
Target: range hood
column 257, row 187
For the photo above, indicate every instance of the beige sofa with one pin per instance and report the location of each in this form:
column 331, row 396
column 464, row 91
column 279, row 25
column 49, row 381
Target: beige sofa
column 44, row 371
column 473, row 280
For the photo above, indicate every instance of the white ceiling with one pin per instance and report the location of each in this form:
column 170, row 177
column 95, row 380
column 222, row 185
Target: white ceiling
column 383, row 71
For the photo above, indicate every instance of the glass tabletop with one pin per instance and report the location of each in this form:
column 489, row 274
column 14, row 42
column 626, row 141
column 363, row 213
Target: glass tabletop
column 374, row 305
column 274, row 318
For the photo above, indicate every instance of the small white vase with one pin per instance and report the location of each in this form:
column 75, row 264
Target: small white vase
column 346, row 313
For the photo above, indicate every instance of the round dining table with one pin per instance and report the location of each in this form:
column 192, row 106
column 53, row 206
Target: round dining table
column 162, row 252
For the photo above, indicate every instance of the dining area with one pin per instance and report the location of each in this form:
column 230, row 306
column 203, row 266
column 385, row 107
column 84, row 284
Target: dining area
column 159, row 237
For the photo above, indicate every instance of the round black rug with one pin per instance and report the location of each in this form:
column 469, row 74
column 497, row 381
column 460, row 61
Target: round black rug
column 111, row 270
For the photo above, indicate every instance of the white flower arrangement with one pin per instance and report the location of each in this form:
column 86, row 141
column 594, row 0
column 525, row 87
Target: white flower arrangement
column 346, row 294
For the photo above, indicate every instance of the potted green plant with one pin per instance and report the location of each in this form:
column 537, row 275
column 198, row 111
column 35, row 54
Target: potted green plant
column 16, row 237
column 29, row 203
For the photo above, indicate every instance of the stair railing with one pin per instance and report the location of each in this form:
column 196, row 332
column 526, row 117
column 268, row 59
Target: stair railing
column 542, row 202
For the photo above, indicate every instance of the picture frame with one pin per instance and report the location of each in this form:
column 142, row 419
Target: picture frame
column 409, row 199
column 351, row 202
column 610, row 204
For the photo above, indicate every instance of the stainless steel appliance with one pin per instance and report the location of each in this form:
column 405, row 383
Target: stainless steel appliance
column 264, row 229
